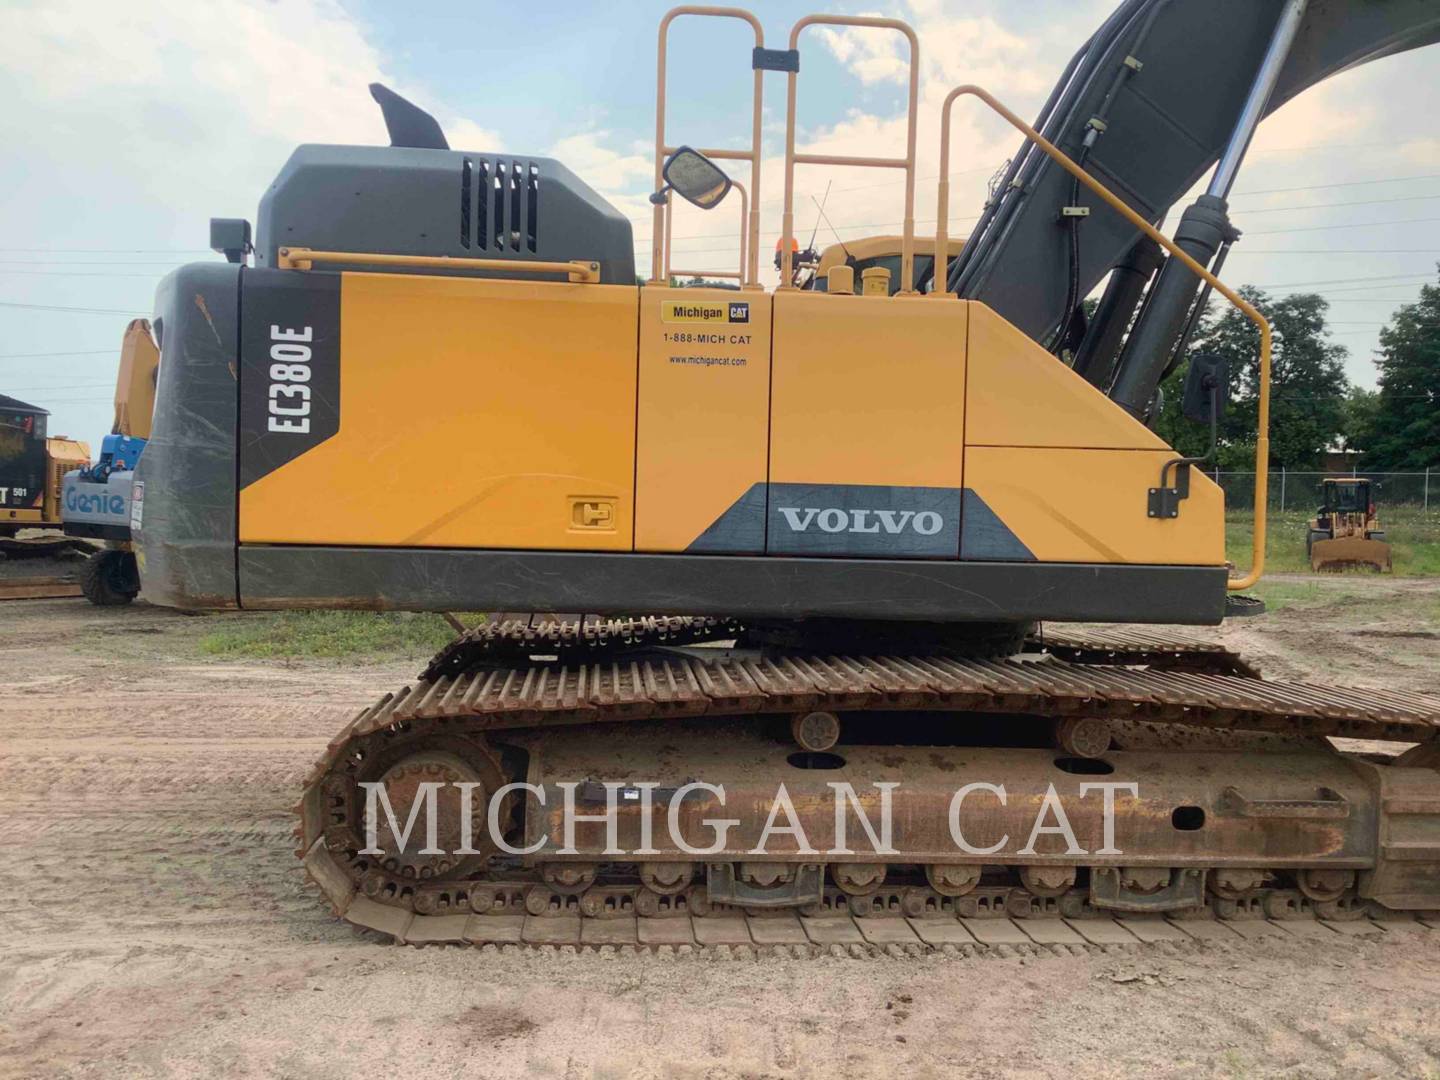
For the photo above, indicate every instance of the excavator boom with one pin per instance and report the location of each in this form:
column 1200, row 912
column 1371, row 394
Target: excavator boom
column 1149, row 104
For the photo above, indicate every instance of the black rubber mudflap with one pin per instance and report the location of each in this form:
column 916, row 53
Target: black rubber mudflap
column 1239, row 607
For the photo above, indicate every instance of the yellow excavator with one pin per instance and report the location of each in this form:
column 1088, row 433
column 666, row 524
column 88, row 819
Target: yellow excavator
column 808, row 560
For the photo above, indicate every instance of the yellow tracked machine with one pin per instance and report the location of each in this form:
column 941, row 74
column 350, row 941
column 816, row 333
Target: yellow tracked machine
column 818, row 545
column 1345, row 532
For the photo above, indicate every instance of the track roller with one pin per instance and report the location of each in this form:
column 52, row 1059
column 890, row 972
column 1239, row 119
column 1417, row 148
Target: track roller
column 950, row 879
column 815, row 730
column 1082, row 736
column 1048, row 880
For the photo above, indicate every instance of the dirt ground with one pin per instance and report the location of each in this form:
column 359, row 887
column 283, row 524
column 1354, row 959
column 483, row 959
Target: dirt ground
column 154, row 920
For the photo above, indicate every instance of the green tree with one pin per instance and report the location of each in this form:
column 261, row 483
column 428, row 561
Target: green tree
column 1406, row 428
column 1307, row 383
column 1361, row 418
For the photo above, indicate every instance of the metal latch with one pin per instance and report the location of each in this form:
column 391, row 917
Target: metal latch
column 591, row 513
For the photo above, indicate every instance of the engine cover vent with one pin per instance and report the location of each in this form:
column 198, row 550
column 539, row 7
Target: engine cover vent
column 402, row 201
column 502, row 199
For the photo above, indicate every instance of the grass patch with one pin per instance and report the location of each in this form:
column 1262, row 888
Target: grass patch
column 1413, row 533
column 1352, row 600
column 1279, row 595
column 329, row 634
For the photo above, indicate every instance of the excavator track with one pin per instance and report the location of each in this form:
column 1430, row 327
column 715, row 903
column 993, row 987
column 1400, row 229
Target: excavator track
column 1115, row 675
column 1134, row 646
column 509, row 637
column 512, row 637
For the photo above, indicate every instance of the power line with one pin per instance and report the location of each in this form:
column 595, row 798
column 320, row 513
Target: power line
column 1258, row 232
column 1333, row 205
column 54, row 403
column 1252, row 191
column 1333, row 251
column 73, row 310
column 1340, row 184
column 71, row 352
column 88, row 262
column 114, row 251
column 1354, row 225
column 57, row 389
column 1344, row 281
column 79, row 274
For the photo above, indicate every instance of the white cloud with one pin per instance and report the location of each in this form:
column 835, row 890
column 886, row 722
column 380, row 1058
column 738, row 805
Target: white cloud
column 190, row 107
column 129, row 125
column 874, row 55
column 603, row 168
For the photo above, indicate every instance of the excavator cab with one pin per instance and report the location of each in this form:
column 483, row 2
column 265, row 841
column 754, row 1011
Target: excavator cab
column 880, row 252
column 1345, row 532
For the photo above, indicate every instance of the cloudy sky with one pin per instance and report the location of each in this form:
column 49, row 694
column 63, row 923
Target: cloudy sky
column 128, row 125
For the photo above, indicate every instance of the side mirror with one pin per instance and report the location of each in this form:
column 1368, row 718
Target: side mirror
column 1207, row 389
column 695, row 178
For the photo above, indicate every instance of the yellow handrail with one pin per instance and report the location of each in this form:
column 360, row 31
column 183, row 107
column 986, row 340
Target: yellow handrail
column 297, row 258
column 907, row 163
column 672, row 272
column 751, row 267
column 1262, row 441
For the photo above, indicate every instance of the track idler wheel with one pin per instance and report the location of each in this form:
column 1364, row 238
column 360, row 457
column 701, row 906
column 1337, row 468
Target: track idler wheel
column 667, row 878
column 1230, row 883
column 951, row 879
column 1324, row 884
column 765, row 875
column 406, row 781
column 858, row 879
column 1048, row 881
column 1144, row 879
column 569, row 879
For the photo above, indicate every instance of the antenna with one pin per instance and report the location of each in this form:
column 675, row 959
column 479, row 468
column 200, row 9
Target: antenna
column 824, row 199
column 832, row 228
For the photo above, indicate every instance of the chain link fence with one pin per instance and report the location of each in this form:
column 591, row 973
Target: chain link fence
column 1301, row 490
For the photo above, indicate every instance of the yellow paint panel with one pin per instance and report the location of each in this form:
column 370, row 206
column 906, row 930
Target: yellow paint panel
column 868, row 390
column 474, row 413
column 1090, row 505
column 1020, row 395
column 703, row 415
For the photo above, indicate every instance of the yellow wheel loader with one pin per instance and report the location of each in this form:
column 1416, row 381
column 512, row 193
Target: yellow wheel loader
column 1345, row 532
column 800, row 560
column 32, row 465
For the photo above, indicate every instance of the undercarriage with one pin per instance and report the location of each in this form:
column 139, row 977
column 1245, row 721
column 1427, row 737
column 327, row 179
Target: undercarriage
column 671, row 781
